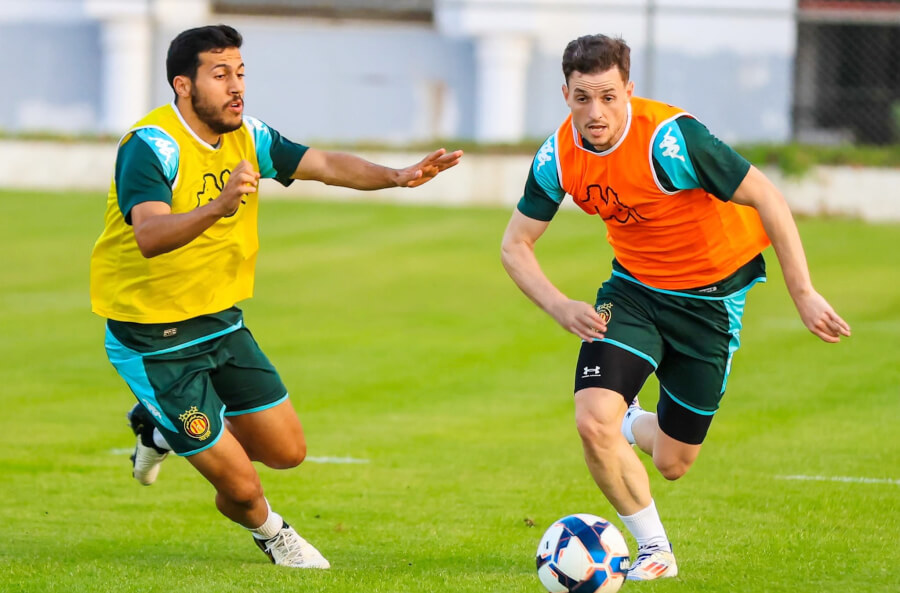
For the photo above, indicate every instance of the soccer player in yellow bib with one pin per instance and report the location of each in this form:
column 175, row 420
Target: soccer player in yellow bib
column 178, row 251
column 687, row 218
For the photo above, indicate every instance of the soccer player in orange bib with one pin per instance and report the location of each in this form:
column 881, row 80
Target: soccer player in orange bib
column 687, row 219
column 177, row 253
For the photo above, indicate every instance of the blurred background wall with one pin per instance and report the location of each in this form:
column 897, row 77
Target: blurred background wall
column 398, row 71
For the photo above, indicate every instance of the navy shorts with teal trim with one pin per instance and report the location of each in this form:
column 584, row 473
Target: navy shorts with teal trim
column 189, row 388
column 687, row 338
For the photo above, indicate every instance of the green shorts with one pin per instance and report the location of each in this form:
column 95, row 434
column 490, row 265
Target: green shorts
column 190, row 386
column 688, row 338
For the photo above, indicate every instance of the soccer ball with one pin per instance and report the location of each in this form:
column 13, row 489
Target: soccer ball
column 582, row 553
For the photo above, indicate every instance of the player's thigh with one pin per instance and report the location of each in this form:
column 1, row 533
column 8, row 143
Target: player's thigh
column 228, row 468
column 701, row 336
column 244, row 377
column 273, row 436
column 631, row 348
column 177, row 391
column 258, row 410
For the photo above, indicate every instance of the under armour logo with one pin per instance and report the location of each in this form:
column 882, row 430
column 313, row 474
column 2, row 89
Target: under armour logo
column 591, row 371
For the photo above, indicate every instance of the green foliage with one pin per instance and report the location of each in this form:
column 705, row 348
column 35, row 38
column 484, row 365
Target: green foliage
column 797, row 159
column 404, row 344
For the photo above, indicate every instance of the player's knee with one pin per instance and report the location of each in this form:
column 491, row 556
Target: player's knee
column 244, row 493
column 594, row 431
column 287, row 456
column 672, row 469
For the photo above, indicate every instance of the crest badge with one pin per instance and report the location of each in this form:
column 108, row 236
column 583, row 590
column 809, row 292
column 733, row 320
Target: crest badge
column 604, row 310
column 196, row 424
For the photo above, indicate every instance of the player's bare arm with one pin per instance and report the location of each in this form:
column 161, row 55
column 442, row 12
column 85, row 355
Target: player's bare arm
column 157, row 230
column 818, row 316
column 347, row 170
column 517, row 253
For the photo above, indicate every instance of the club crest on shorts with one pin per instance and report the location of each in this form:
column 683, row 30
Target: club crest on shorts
column 196, row 424
column 604, row 310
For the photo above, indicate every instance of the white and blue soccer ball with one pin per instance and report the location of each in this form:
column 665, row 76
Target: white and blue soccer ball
column 582, row 553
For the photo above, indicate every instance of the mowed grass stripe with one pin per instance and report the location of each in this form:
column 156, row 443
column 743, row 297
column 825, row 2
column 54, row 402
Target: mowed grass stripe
column 403, row 343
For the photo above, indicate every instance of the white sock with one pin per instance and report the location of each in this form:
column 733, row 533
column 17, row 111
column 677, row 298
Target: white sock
column 270, row 527
column 647, row 528
column 159, row 440
column 630, row 416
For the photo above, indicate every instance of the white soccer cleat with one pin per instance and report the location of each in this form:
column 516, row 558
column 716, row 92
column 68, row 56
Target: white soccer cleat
column 653, row 564
column 287, row 548
column 147, row 458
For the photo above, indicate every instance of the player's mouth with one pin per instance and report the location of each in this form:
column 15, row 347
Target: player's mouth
column 596, row 129
column 236, row 106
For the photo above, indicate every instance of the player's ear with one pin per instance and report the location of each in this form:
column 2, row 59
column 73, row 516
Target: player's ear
column 629, row 88
column 182, row 86
column 565, row 92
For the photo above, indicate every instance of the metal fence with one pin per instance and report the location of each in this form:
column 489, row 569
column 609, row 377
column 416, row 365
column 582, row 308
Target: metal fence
column 847, row 72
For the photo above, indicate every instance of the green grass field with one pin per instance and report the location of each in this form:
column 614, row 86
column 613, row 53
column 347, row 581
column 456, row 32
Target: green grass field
column 405, row 345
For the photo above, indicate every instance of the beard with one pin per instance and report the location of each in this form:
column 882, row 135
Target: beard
column 212, row 116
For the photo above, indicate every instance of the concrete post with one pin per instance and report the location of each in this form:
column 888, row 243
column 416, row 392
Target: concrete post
column 501, row 82
column 126, row 45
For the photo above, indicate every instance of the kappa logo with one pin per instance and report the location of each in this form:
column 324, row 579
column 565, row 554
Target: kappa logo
column 212, row 187
column 165, row 148
column 591, row 372
column 152, row 409
column 670, row 146
column 196, row 424
column 163, row 145
column 605, row 202
column 545, row 154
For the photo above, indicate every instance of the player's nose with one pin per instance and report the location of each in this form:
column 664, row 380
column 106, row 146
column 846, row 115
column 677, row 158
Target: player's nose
column 596, row 111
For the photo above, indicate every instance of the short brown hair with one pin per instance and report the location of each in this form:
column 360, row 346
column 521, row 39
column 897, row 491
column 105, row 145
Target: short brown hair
column 183, row 58
column 590, row 54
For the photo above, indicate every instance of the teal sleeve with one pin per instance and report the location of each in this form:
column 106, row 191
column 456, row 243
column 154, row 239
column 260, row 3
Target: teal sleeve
column 687, row 156
column 543, row 190
column 143, row 173
column 278, row 157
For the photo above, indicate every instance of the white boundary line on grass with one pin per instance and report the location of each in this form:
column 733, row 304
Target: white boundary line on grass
column 847, row 479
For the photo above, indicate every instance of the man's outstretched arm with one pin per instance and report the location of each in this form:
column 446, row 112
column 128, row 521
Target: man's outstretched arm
column 347, row 170
column 818, row 316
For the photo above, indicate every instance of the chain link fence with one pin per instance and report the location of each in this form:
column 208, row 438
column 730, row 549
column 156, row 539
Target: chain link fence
column 847, row 72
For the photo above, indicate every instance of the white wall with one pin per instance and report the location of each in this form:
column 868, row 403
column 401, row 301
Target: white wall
column 727, row 61
column 487, row 180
